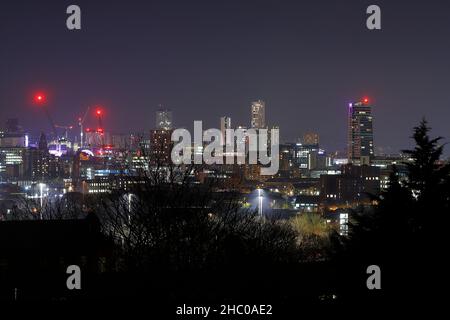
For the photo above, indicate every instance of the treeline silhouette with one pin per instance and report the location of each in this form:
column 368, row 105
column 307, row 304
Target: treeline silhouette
column 405, row 233
column 167, row 240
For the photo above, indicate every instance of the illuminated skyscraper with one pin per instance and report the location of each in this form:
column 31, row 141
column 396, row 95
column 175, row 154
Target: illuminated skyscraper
column 164, row 119
column 225, row 123
column 160, row 147
column 360, row 132
column 310, row 138
column 258, row 110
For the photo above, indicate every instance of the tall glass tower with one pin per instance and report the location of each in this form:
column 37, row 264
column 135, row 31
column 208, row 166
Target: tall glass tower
column 360, row 132
column 258, row 114
column 225, row 123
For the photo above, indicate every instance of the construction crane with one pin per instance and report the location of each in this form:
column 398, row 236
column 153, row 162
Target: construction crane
column 40, row 99
column 81, row 124
column 66, row 129
column 99, row 113
column 100, row 130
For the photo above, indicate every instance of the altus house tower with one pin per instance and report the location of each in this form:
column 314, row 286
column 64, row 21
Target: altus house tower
column 360, row 132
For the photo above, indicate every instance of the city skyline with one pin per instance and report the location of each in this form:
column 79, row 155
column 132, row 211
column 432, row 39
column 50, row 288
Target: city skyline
column 243, row 158
column 311, row 61
column 163, row 120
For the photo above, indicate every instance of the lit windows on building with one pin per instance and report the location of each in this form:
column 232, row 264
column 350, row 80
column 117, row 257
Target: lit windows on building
column 160, row 146
column 163, row 119
column 360, row 132
column 343, row 224
column 258, row 114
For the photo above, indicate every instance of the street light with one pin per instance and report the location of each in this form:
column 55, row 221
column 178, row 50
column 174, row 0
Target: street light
column 130, row 203
column 260, row 202
column 41, row 190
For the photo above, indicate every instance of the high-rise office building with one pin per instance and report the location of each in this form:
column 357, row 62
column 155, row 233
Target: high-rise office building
column 360, row 132
column 310, row 138
column 163, row 119
column 160, row 147
column 13, row 135
column 258, row 110
column 225, row 123
column 11, row 162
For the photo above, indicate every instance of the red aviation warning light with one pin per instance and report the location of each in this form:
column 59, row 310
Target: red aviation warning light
column 39, row 98
column 99, row 111
column 366, row 100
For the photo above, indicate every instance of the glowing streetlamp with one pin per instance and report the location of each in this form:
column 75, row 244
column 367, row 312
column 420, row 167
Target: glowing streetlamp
column 41, row 191
column 129, row 197
column 260, row 203
column 129, row 202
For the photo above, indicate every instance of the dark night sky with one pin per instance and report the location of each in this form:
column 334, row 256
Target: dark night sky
column 205, row 59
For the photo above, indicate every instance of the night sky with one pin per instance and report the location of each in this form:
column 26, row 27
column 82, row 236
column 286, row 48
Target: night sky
column 206, row 59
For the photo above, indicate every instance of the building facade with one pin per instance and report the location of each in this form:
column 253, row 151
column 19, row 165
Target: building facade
column 161, row 147
column 163, row 119
column 258, row 114
column 360, row 132
column 225, row 123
